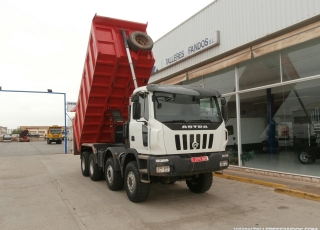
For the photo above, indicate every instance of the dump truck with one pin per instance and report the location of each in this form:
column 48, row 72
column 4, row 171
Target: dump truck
column 133, row 134
column 54, row 134
column 24, row 136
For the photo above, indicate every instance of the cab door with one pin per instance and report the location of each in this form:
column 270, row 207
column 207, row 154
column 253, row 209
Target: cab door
column 139, row 129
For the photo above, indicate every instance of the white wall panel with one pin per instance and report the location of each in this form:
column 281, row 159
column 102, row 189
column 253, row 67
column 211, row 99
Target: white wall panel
column 239, row 22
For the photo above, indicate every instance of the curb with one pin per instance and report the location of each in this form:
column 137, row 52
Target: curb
column 299, row 194
column 279, row 188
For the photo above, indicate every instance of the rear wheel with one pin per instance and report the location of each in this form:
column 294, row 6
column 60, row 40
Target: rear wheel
column 200, row 183
column 85, row 163
column 113, row 178
column 94, row 172
column 136, row 190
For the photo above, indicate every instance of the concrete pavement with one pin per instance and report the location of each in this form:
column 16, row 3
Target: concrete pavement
column 48, row 191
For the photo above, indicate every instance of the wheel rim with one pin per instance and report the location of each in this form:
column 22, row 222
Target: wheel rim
column 141, row 40
column 131, row 182
column 83, row 165
column 265, row 148
column 304, row 157
column 110, row 174
column 91, row 167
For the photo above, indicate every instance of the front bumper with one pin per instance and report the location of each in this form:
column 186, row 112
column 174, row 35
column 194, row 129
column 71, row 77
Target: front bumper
column 181, row 165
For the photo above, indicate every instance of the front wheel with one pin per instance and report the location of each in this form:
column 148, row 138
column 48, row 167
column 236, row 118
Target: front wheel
column 136, row 190
column 306, row 158
column 200, row 183
column 94, row 172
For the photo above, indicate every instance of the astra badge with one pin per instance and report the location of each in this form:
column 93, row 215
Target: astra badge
column 194, row 126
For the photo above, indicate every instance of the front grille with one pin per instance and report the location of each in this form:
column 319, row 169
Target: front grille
column 193, row 141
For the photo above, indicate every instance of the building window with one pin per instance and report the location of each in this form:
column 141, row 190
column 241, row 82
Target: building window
column 223, row 80
column 301, row 61
column 282, row 126
column 261, row 71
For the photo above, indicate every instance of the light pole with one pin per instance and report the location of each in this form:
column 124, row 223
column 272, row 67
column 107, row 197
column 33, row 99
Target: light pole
column 49, row 91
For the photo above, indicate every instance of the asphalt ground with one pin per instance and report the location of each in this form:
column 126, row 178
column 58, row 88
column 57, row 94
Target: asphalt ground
column 43, row 188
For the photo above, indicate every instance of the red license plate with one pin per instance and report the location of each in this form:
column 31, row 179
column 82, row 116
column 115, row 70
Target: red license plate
column 199, row 159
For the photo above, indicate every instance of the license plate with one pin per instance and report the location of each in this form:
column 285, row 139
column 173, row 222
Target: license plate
column 199, row 159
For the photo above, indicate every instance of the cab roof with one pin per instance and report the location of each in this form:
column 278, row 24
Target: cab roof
column 184, row 89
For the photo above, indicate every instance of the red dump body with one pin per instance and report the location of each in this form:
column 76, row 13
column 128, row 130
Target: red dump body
column 107, row 81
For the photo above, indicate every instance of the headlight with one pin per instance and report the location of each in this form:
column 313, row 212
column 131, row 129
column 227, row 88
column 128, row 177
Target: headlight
column 162, row 169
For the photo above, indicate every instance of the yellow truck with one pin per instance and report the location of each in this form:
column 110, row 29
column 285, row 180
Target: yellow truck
column 54, row 134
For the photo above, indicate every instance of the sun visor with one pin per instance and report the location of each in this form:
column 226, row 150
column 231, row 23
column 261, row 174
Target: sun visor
column 186, row 90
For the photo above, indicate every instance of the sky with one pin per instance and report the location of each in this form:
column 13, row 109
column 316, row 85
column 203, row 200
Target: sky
column 43, row 45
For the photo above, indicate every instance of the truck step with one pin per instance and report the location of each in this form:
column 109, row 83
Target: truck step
column 144, row 157
column 144, row 176
column 144, row 171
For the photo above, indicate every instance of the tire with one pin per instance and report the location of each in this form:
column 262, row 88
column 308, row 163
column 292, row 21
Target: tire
column 306, row 158
column 138, row 40
column 48, row 142
column 94, row 171
column 200, row 184
column 85, row 164
column 113, row 178
column 136, row 190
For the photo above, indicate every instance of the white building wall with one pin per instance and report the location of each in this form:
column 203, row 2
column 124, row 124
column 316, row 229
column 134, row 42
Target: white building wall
column 239, row 22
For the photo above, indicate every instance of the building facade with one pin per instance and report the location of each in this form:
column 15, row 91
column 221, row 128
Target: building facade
column 264, row 58
column 3, row 130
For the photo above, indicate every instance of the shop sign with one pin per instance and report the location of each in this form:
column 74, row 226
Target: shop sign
column 200, row 45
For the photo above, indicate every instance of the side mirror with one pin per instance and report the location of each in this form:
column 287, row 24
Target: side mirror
column 224, row 111
column 135, row 98
column 223, row 101
column 136, row 110
column 230, row 129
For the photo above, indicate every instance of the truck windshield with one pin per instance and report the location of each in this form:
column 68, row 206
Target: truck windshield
column 170, row 107
column 55, row 131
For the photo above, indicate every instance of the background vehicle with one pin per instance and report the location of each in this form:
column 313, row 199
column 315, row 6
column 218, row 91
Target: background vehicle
column 15, row 137
column 255, row 134
column 6, row 138
column 24, row 136
column 54, row 134
column 153, row 134
column 306, row 133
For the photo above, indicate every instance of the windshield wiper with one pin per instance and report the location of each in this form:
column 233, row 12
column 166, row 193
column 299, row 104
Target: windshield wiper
column 201, row 120
column 176, row 121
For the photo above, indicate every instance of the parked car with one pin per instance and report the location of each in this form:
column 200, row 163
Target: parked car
column 6, row 138
column 14, row 137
